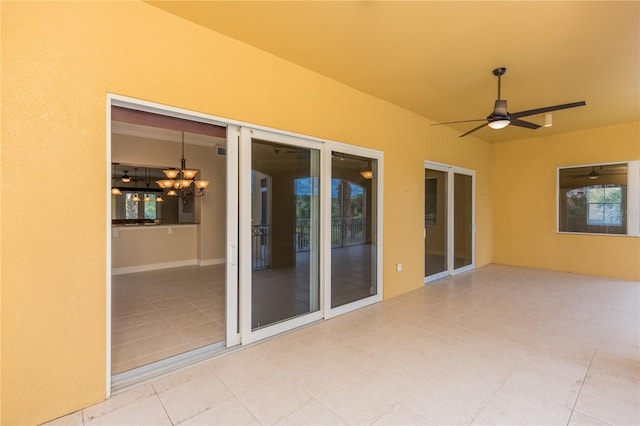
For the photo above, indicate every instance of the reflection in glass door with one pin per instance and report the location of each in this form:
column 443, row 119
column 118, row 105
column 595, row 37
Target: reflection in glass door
column 282, row 284
column 353, row 228
column 449, row 221
column 435, row 224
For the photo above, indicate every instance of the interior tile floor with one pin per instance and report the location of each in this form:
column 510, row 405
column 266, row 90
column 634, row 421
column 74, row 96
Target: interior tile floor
column 158, row 314
column 498, row 345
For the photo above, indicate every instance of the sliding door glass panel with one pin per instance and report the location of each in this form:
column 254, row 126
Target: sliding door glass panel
column 353, row 228
column 285, row 236
column 435, row 222
column 462, row 220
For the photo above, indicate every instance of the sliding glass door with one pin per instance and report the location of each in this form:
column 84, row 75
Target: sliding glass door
column 462, row 220
column 353, row 231
column 288, row 232
column 436, row 259
column 279, row 221
column 449, row 234
column 353, row 228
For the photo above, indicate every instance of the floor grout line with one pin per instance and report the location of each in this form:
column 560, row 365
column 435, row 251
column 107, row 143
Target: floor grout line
column 588, row 370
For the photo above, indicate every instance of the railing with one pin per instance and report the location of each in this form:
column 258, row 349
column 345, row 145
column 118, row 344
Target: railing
column 344, row 232
column 260, row 244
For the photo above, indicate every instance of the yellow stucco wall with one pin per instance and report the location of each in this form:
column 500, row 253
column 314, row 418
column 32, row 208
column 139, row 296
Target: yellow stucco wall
column 59, row 61
column 524, row 203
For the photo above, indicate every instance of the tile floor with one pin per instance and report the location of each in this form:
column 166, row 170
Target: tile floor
column 500, row 345
column 158, row 314
column 162, row 313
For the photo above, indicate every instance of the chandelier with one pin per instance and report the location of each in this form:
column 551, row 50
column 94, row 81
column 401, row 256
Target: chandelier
column 181, row 183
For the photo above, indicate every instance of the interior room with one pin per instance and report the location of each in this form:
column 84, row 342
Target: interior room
column 167, row 251
column 338, row 212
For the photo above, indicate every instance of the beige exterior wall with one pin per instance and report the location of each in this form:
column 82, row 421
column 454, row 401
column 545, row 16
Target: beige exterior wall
column 524, row 201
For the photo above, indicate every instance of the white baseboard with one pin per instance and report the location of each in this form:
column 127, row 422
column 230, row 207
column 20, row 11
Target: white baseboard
column 208, row 262
column 166, row 265
column 153, row 267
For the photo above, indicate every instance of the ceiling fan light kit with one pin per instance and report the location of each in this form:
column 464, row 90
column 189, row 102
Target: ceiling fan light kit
column 501, row 118
column 499, row 124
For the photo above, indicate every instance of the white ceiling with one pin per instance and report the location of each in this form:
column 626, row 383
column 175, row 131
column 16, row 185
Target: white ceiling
column 435, row 58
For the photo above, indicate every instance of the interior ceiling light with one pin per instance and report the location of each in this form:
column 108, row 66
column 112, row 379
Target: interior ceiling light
column 368, row 173
column 593, row 174
column 179, row 182
column 114, row 190
column 126, row 178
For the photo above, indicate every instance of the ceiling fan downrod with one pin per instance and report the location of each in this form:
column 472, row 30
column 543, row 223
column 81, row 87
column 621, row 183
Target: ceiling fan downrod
column 499, row 72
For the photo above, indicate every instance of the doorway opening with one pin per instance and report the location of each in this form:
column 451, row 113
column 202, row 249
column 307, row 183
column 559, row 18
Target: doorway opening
column 168, row 272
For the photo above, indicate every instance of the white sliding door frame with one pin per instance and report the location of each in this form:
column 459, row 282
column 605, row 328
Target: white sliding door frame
column 378, row 156
column 472, row 173
column 248, row 335
column 232, row 329
column 449, row 218
column 238, row 219
column 450, row 206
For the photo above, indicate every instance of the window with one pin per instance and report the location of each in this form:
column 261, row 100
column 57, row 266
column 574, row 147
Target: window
column 131, row 206
column 603, row 205
column 599, row 199
column 150, row 207
column 136, row 208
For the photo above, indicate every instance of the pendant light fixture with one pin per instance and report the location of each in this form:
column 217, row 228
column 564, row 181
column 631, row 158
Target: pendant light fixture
column 135, row 197
column 114, row 190
column 182, row 183
column 368, row 173
column 147, row 182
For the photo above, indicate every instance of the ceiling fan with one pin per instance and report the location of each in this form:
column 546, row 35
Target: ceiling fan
column 501, row 118
column 593, row 174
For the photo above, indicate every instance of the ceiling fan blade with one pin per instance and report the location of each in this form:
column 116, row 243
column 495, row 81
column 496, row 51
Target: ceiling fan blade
column 546, row 109
column 522, row 123
column 473, row 130
column 461, row 121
